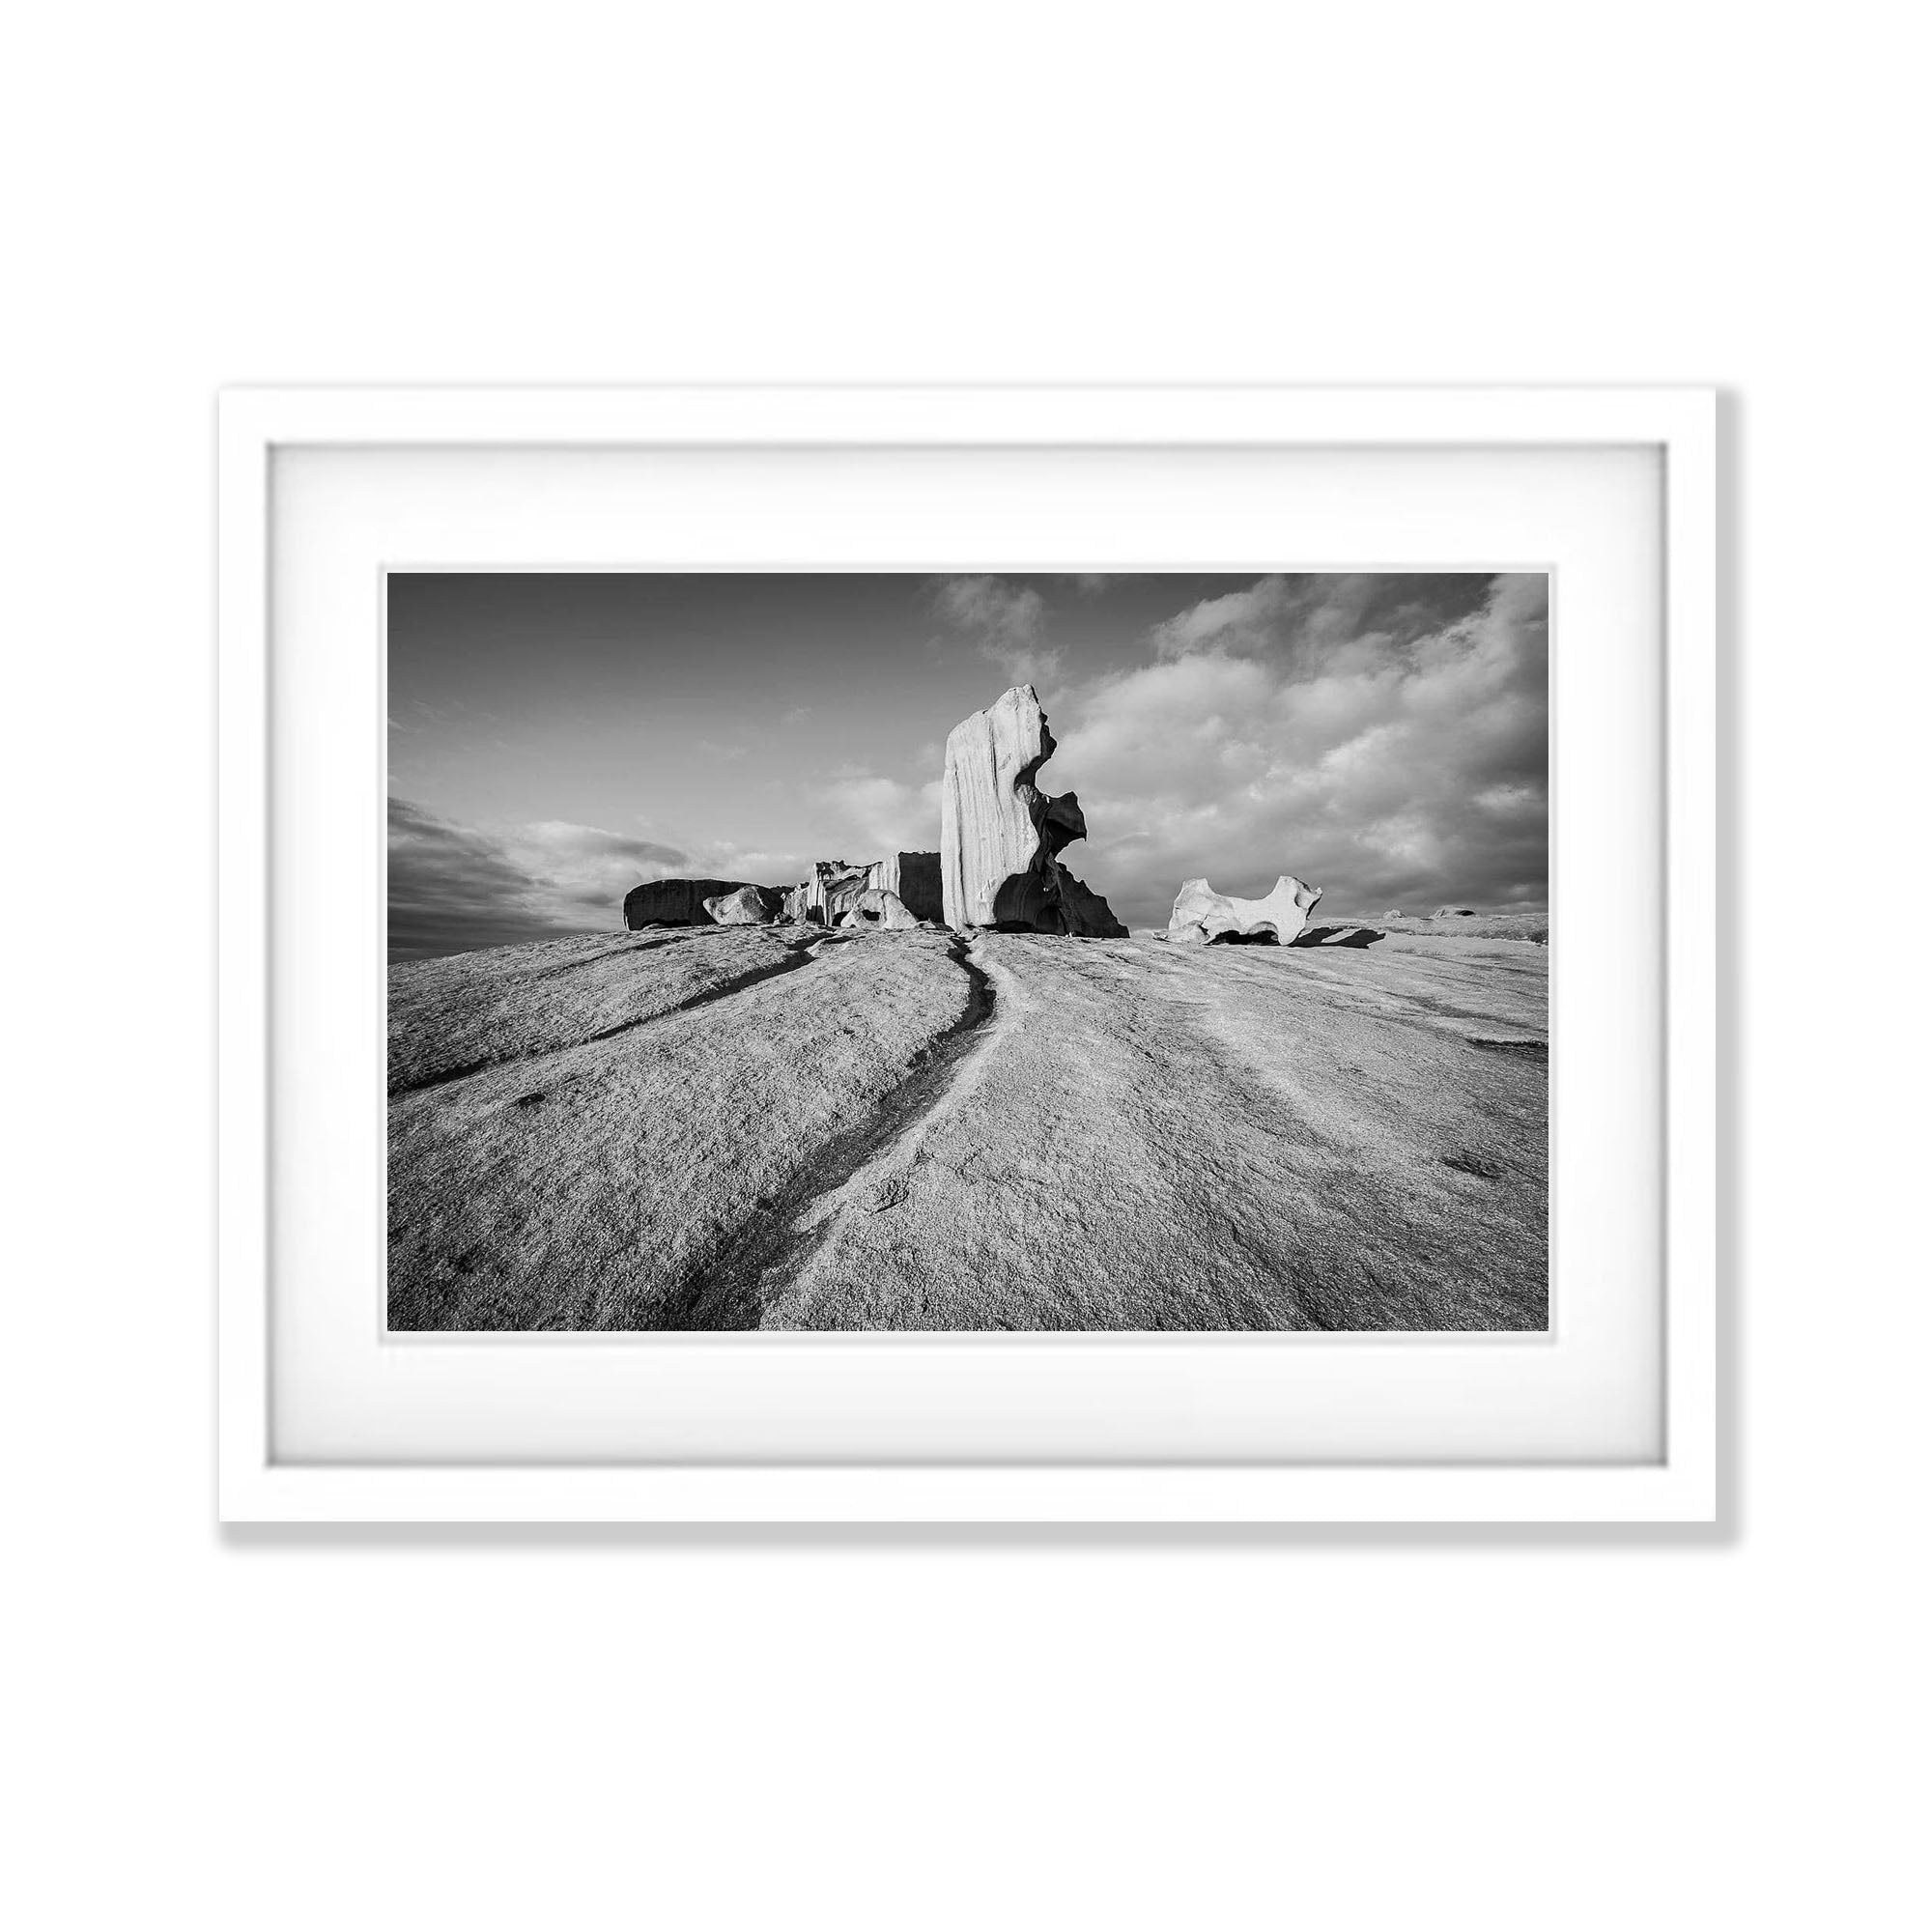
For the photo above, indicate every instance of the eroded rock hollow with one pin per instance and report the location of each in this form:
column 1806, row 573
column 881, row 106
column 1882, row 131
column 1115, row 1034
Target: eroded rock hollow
column 1000, row 836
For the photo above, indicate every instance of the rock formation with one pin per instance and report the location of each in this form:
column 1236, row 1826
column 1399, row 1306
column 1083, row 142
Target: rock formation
column 822, row 897
column 1000, row 835
column 837, row 886
column 914, row 878
column 681, row 901
column 749, row 905
column 878, row 908
column 1200, row 915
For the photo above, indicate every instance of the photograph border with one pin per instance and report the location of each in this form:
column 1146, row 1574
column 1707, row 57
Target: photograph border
column 1680, row 423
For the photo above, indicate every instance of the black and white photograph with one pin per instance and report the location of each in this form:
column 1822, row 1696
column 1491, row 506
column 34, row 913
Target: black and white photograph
column 968, row 952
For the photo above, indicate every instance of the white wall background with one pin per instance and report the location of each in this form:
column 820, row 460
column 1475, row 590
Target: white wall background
column 563, row 1730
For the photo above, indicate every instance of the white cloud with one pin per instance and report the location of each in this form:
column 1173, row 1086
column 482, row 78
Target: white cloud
column 454, row 887
column 864, row 815
column 757, row 865
column 579, row 868
column 1335, row 728
column 1004, row 622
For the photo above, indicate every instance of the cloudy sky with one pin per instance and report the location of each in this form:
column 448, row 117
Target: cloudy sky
column 554, row 739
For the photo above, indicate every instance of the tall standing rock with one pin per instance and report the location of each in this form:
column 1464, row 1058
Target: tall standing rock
column 999, row 833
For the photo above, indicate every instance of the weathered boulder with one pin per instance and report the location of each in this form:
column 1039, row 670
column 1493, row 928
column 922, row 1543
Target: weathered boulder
column 875, row 908
column 678, row 901
column 749, row 905
column 1000, row 835
column 1454, row 912
column 1201, row 915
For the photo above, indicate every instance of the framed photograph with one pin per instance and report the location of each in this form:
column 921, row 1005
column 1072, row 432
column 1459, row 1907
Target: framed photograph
column 968, row 955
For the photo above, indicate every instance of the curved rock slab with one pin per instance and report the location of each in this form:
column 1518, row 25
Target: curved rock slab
column 1200, row 915
column 1000, row 835
column 618, row 1181
column 453, row 1016
column 1181, row 1137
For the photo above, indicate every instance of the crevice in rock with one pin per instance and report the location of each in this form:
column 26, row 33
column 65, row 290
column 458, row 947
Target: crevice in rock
column 798, row 952
column 729, row 1291
column 622, row 952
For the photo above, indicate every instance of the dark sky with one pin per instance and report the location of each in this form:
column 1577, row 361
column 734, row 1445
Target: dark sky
column 557, row 737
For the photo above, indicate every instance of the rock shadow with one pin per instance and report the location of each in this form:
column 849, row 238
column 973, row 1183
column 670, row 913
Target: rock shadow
column 1355, row 937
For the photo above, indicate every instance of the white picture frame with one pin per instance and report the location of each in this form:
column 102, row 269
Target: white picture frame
column 1679, row 1483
